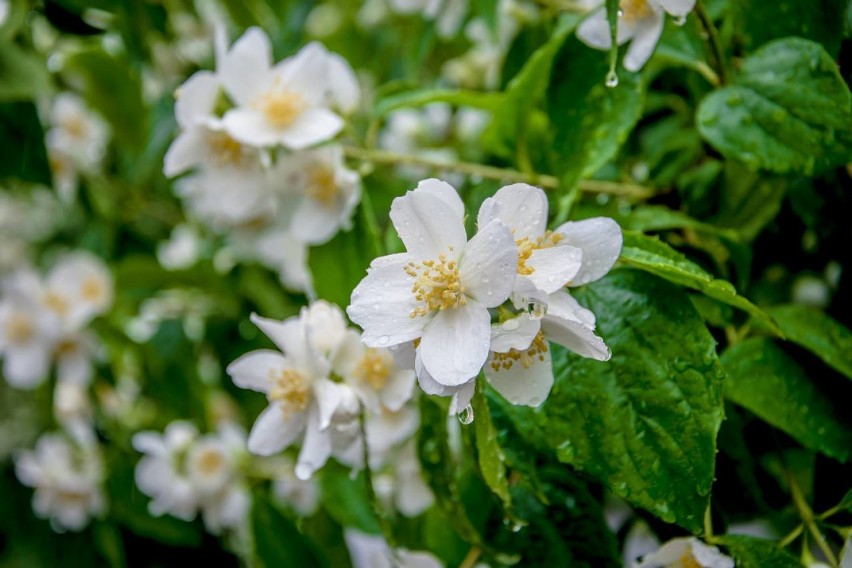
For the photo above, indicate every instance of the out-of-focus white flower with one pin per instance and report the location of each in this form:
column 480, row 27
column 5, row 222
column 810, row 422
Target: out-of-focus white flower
column 284, row 104
column 72, row 407
column 303, row 495
column 5, row 8
column 638, row 20
column 686, row 553
column 181, row 250
column 448, row 15
column 403, row 485
column 325, row 193
column 229, row 198
column 371, row 551
column 302, row 398
column 328, row 327
column 441, row 289
column 67, row 481
column 160, row 475
column 639, row 541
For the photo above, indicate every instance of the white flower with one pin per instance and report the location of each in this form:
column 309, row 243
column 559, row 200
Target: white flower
column 328, row 327
column 72, row 408
column 372, row 551
column 278, row 249
column 230, row 197
column 638, row 20
column 324, row 190
column 160, row 473
column 302, row 398
column 403, row 485
column 67, row 481
column 4, row 11
column 181, row 250
column 283, row 104
column 303, row 495
column 448, row 15
column 77, row 131
column 441, row 289
column 686, row 553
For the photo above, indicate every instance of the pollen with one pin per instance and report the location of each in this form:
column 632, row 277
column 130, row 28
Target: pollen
column 57, row 303
column 437, row 285
column 210, row 461
column 634, row 10
column 689, row 561
column 225, row 150
column 290, row 389
column 322, row 186
column 527, row 357
column 19, row 328
column 93, row 289
column 374, row 369
column 526, row 246
column 281, row 108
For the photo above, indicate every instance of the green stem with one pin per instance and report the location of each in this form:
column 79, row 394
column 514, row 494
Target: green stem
column 807, row 516
column 708, row 524
column 793, row 535
column 495, row 173
column 714, row 42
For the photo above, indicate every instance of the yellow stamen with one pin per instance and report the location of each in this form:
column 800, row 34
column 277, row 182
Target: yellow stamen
column 634, row 10
column 57, row 303
column 66, row 347
column 75, row 127
column 225, row 150
column 19, row 328
column 689, row 561
column 93, row 289
column 374, row 369
column 322, row 186
column 282, row 108
column 536, row 350
column 210, row 461
column 526, row 246
column 436, row 285
column 290, row 389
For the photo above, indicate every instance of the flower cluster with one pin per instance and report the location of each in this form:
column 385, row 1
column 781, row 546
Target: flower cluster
column 184, row 472
column 449, row 306
column 318, row 385
column 249, row 134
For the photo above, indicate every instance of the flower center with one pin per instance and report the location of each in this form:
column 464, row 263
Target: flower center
column 290, row 389
column 19, row 328
column 225, row 150
column 210, row 462
column 689, row 561
column 526, row 246
column 93, row 289
column 633, row 10
column 75, row 126
column 282, row 107
column 57, row 303
column 373, row 369
column 66, row 347
column 321, row 185
column 507, row 360
column 436, row 285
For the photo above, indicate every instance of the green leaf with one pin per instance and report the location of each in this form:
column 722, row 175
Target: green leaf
column 749, row 552
column 653, row 255
column 661, row 218
column 645, row 422
column 346, row 499
column 788, row 111
column 490, row 455
column 23, row 75
column 765, row 20
column 818, row 333
column 22, row 152
column 277, row 541
column 590, row 120
column 408, row 99
column 110, row 87
column 769, row 383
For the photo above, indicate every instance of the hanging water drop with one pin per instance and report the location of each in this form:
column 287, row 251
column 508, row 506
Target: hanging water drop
column 466, row 415
column 612, row 79
column 680, row 20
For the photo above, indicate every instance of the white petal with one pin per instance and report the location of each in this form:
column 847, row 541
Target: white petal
column 250, row 126
column 188, row 149
column 255, row 370
column 313, row 126
column 554, row 267
column 462, row 397
column 149, row 443
column 26, row 366
column 644, row 42
column 306, row 72
column 315, row 222
column 427, row 383
column 576, row 336
column 488, row 265
column 245, row 71
column 382, row 304
column 516, row 333
column 600, row 240
column 711, row 557
column 594, row 31
column 316, row 447
column 562, row 305
column 328, row 396
column 455, row 344
column 414, row 497
column 443, row 191
column 677, row 8
column 289, row 336
column 522, row 207
column 670, row 553
column 75, row 367
column 196, row 99
column 342, row 84
column 398, row 389
column 273, row 430
column 528, row 386
column 428, row 225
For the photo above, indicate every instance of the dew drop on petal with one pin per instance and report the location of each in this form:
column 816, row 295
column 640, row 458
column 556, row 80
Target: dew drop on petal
column 680, row 20
column 611, row 79
column 466, row 415
column 383, row 340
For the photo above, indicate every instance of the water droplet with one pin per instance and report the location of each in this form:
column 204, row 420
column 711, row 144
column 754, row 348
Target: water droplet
column 680, row 20
column 551, row 278
column 535, row 401
column 511, row 325
column 538, row 310
column 611, row 79
column 466, row 415
column 383, row 340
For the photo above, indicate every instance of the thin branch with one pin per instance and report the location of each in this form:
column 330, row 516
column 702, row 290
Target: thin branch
column 807, row 516
column 714, row 42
